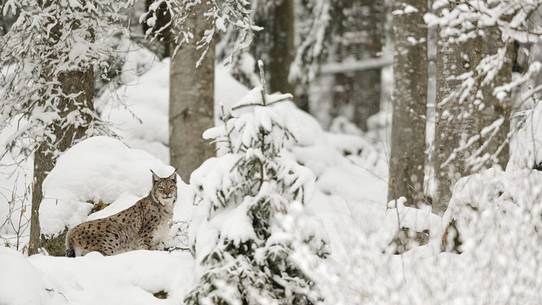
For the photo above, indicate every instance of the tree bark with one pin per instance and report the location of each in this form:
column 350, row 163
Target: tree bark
column 408, row 149
column 191, row 98
column 275, row 44
column 360, row 37
column 457, row 122
column 450, row 127
column 494, row 108
column 72, row 82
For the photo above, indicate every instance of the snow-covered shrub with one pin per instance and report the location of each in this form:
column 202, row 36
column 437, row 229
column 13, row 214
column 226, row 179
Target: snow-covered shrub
column 245, row 251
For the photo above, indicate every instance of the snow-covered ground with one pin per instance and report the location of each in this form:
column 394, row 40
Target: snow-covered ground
column 129, row 278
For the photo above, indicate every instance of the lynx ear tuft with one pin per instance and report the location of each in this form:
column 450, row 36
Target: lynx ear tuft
column 173, row 176
column 155, row 177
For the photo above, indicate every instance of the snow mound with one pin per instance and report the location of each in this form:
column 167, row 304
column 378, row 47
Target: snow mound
column 20, row 282
column 129, row 278
column 99, row 169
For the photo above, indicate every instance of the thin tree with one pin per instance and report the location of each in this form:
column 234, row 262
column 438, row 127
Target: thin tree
column 360, row 36
column 275, row 43
column 77, row 88
column 407, row 159
column 79, row 83
column 191, row 97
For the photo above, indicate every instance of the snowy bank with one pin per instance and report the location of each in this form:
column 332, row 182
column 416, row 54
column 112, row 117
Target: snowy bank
column 130, row 278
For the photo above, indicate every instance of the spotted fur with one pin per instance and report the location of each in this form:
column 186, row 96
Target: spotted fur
column 144, row 225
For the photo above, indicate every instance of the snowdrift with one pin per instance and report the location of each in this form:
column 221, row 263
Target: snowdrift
column 137, row 277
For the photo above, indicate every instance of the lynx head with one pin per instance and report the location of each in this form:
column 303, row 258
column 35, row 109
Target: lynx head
column 164, row 190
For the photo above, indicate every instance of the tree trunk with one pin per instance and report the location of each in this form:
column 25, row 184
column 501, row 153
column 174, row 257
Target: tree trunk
column 191, row 99
column 407, row 159
column 450, row 127
column 494, row 108
column 73, row 82
column 275, row 44
column 457, row 122
column 360, row 37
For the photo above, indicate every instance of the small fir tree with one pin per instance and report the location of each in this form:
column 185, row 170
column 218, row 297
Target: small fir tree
column 248, row 190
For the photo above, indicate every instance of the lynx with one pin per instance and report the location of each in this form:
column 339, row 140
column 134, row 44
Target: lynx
column 142, row 226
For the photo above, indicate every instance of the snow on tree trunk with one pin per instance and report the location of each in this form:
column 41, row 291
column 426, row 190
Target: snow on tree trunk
column 191, row 96
column 472, row 124
column 275, row 43
column 450, row 126
column 407, row 159
column 80, row 83
column 495, row 108
column 360, row 36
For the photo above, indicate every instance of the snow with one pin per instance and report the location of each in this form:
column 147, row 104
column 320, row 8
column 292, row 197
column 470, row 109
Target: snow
column 234, row 225
column 20, row 281
column 128, row 278
column 525, row 147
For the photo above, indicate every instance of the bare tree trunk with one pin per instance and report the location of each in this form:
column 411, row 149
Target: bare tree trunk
column 407, row 159
column 275, row 44
column 73, row 82
column 361, row 36
column 191, row 99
